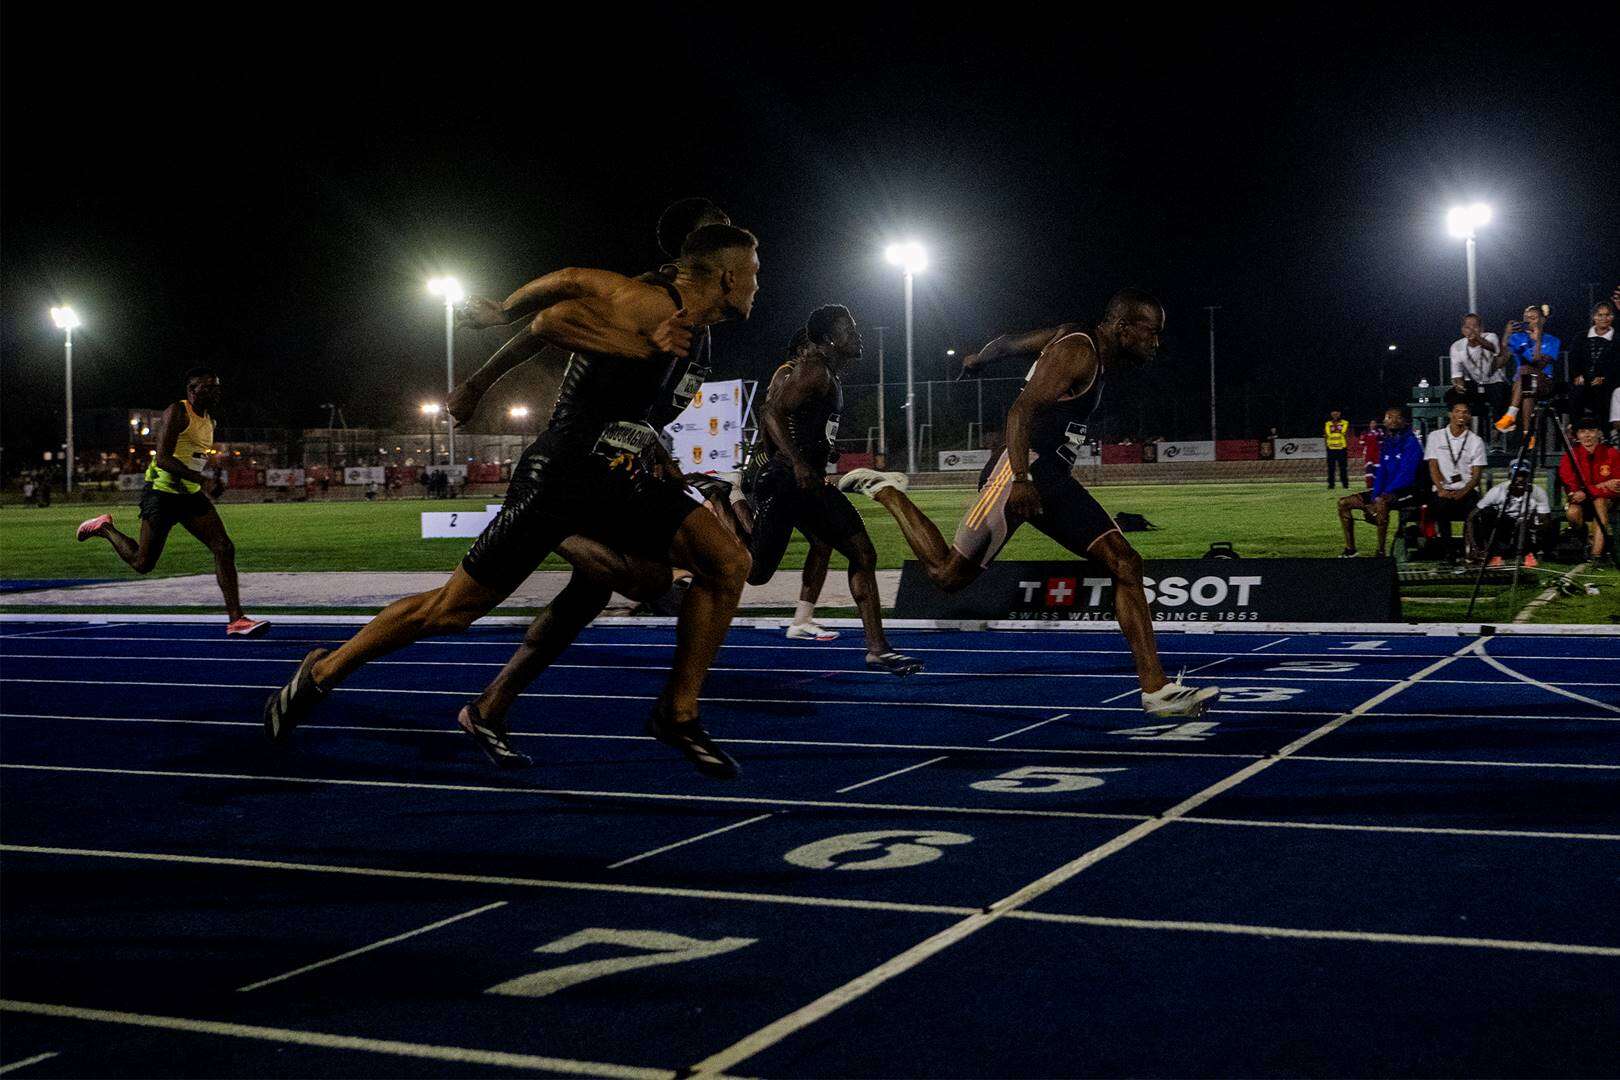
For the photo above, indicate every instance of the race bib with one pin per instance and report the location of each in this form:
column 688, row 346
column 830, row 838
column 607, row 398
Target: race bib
column 689, row 385
column 625, row 437
column 832, row 429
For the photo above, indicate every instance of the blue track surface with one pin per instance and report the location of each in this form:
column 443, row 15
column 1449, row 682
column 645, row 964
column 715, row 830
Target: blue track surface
column 1375, row 856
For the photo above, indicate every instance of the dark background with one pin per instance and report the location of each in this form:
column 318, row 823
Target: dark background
column 270, row 197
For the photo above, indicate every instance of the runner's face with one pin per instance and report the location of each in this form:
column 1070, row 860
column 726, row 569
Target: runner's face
column 1138, row 333
column 744, row 275
column 205, row 393
column 845, row 340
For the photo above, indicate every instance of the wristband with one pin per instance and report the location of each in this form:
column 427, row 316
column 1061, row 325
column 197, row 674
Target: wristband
column 1022, row 478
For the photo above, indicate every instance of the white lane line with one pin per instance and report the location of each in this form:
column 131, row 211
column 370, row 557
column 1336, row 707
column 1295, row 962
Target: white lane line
column 688, row 840
column 25, row 1062
column 1221, row 660
column 460, row 1055
column 59, row 630
column 830, row 1002
column 897, row 772
column 653, row 796
column 1479, row 651
column 822, row 743
column 1417, row 830
column 805, row 702
column 487, row 879
column 1030, row 727
column 1548, row 595
column 1268, row 645
column 1224, row 659
column 1509, row 944
column 1105, row 701
column 1455, row 761
column 368, row 948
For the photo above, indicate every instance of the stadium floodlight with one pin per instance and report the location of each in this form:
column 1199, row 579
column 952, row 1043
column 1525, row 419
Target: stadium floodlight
column 449, row 289
column 912, row 258
column 518, row 412
column 430, row 408
column 67, row 320
column 1461, row 222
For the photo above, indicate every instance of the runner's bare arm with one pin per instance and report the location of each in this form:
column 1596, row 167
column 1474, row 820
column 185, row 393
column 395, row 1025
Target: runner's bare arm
column 569, row 283
column 638, row 321
column 174, row 422
column 794, row 387
column 1028, row 343
column 1065, row 363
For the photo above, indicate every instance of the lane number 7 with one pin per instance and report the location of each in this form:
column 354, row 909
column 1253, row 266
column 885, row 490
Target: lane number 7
column 656, row 946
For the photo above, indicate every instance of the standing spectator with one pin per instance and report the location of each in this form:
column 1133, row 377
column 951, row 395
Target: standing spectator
column 42, row 491
column 1596, row 366
column 1337, row 433
column 1494, row 526
column 1456, row 458
column 28, row 490
column 1477, row 368
column 1532, row 352
column 1394, row 486
column 1591, row 472
column 1369, row 453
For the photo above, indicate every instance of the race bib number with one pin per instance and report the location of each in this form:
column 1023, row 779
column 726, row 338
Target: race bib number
column 689, row 385
column 832, row 429
column 625, row 437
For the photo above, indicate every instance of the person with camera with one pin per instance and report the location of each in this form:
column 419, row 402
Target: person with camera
column 1531, row 352
column 1493, row 528
column 1456, row 458
column 1477, row 374
column 1591, row 472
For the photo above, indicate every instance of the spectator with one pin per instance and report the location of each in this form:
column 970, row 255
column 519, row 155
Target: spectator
column 1394, row 485
column 1596, row 367
column 1532, row 352
column 1337, row 433
column 1477, row 368
column 42, row 491
column 1456, row 458
column 28, row 491
column 1591, row 472
column 1494, row 526
column 1369, row 453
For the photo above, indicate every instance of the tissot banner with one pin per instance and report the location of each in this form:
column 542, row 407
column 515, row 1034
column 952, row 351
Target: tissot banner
column 1178, row 590
column 708, row 433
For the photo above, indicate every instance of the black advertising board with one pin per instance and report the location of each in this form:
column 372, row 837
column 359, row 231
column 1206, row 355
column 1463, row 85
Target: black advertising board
column 1178, row 590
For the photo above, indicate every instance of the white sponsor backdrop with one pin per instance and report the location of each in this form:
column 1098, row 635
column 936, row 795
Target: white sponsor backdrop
column 708, row 434
column 961, row 460
column 284, row 478
column 1186, row 451
column 131, row 481
column 357, row 474
column 1293, row 449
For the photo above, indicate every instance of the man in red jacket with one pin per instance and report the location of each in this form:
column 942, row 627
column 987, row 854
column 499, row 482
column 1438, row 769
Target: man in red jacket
column 1369, row 452
column 1591, row 472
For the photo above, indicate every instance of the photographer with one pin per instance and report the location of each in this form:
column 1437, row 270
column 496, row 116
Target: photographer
column 1532, row 352
column 1591, row 472
column 1456, row 458
column 1596, row 366
column 1495, row 522
column 1477, row 374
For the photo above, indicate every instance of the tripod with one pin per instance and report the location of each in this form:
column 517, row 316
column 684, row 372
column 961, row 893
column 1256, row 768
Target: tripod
column 1534, row 418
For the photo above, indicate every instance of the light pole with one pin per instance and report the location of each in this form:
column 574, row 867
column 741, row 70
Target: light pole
column 431, row 411
column 450, row 289
column 1212, row 309
column 913, row 260
column 1461, row 221
column 65, row 320
column 883, row 431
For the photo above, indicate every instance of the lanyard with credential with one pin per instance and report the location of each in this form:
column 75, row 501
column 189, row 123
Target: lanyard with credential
column 1456, row 466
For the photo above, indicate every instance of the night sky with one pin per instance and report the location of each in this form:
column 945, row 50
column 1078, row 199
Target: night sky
column 270, row 199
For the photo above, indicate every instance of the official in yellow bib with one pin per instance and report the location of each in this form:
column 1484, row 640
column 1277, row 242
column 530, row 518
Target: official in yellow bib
column 173, row 495
column 1336, row 433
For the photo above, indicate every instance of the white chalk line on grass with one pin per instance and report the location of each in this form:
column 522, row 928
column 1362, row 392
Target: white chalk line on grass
column 819, row 1009
column 460, row 1055
column 368, row 948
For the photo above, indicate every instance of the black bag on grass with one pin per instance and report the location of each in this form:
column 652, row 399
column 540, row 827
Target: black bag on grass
column 1133, row 523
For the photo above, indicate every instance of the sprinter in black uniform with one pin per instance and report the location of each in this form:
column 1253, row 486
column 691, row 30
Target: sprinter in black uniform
column 589, row 473
column 800, row 425
column 1032, row 479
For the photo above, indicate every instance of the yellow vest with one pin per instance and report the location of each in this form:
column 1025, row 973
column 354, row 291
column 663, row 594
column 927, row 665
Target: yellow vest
column 1336, row 430
column 194, row 446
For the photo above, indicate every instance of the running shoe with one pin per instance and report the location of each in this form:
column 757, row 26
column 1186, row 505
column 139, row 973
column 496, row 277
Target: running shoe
column 89, row 528
column 288, row 707
column 810, row 631
column 1508, row 422
column 1176, row 699
column 491, row 739
column 246, row 627
column 692, row 741
column 870, row 481
column 894, row 663
column 1496, row 560
column 1530, row 560
column 1349, row 553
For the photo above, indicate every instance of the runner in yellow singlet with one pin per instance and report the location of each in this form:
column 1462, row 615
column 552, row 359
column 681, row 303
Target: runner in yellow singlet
column 173, row 496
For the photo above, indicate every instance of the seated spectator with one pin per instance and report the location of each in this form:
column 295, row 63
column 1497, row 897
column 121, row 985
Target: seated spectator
column 1532, row 353
column 1595, row 366
column 1477, row 374
column 1591, row 472
column 1494, row 526
column 1456, row 458
column 1394, row 485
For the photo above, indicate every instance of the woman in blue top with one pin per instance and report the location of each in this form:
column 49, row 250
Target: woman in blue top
column 1529, row 348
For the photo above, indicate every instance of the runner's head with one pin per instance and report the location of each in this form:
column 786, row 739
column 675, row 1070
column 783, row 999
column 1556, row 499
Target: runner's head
column 681, row 218
column 797, row 343
column 728, row 257
column 1131, row 325
column 202, row 389
column 833, row 327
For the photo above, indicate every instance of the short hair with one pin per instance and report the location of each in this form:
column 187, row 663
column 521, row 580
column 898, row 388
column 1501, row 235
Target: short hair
column 702, row 247
column 800, row 338
column 200, row 373
column 1601, row 304
column 1126, row 301
column 1472, row 315
column 823, row 319
column 681, row 217
column 1588, row 422
column 1401, row 409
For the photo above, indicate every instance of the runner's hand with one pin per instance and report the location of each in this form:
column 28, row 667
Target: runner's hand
column 972, row 366
column 477, row 313
column 1023, row 500
column 807, row 478
column 674, row 334
column 463, row 403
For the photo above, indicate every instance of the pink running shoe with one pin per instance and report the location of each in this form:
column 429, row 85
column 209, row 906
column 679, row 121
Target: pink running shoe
column 246, row 627
column 88, row 529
